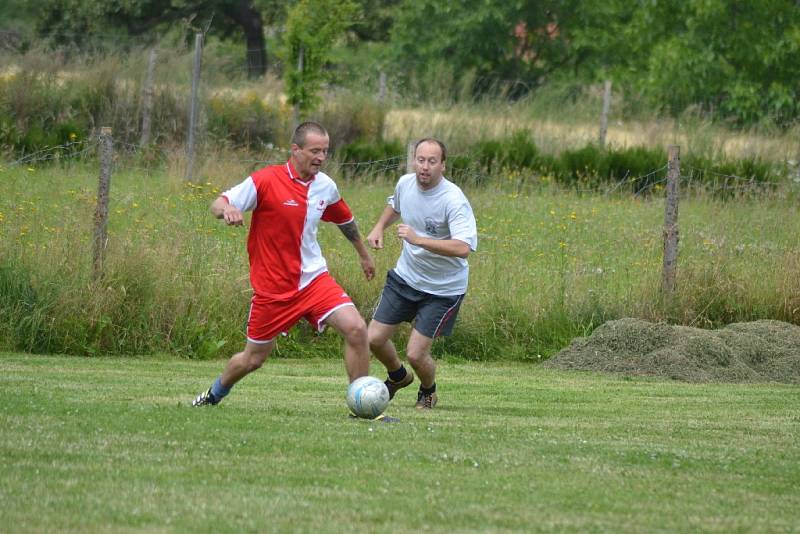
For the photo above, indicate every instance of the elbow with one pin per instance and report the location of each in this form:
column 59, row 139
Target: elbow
column 463, row 252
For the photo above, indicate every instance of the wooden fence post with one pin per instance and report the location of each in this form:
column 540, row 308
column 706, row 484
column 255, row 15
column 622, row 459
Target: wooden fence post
column 381, row 87
column 410, row 153
column 198, row 55
column 671, row 225
column 604, row 113
column 147, row 98
column 101, row 211
column 296, row 108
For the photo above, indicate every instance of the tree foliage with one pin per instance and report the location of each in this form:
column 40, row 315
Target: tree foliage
column 497, row 39
column 86, row 22
column 312, row 27
column 734, row 60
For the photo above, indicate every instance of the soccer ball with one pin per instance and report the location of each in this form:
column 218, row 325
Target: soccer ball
column 367, row 397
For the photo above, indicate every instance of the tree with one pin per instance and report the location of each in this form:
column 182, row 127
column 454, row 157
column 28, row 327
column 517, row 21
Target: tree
column 78, row 21
column 735, row 59
column 500, row 40
column 308, row 41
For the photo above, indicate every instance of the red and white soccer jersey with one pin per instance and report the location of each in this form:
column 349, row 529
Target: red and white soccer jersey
column 282, row 244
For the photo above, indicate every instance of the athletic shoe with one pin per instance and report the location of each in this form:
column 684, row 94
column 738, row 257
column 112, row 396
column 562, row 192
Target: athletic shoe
column 206, row 398
column 426, row 402
column 393, row 386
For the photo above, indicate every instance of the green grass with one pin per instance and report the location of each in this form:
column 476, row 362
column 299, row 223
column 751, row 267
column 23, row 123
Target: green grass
column 550, row 264
column 109, row 444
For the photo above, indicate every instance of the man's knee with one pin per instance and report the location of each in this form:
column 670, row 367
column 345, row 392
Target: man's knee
column 355, row 332
column 417, row 356
column 254, row 357
column 378, row 335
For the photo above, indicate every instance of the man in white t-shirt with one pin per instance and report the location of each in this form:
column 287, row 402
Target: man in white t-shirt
column 288, row 273
column 428, row 283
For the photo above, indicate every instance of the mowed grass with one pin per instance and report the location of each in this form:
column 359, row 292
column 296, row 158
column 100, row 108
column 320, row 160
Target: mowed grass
column 111, row 444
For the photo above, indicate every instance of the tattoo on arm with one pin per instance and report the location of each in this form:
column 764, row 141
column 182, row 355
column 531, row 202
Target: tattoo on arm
column 350, row 231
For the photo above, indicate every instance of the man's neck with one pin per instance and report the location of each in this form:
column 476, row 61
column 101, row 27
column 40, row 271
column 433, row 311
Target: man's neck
column 297, row 175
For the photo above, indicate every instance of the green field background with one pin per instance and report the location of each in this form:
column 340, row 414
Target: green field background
column 550, row 265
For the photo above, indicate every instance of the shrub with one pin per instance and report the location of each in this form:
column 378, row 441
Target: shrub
column 587, row 163
column 247, row 121
column 515, row 152
column 351, row 118
column 636, row 164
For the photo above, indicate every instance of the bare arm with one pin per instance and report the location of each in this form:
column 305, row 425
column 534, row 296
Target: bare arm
column 443, row 247
column 222, row 209
column 350, row 231
column 387, row 218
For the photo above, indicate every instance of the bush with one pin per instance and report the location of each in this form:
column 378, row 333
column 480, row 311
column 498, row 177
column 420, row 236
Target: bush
column 516, row 152
column 636, row 164
column 581, row 165
column 245, row 122
column 362, row 151
column 729, row 178
column 351, row 118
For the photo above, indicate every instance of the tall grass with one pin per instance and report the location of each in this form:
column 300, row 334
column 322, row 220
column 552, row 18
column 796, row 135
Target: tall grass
column 550, row 264
column 561, row 123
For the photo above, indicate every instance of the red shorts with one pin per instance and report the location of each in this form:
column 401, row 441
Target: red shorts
column 314, row 303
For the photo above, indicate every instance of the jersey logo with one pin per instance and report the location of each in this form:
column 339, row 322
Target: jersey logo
column 321, row 205
column 430, row 226
column 291, row 202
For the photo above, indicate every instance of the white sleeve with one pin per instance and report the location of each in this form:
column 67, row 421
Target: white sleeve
column 394, row 199
column 462, row 225
column 243, row 196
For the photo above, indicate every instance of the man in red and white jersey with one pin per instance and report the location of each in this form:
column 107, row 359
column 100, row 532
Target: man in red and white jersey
column 288, row 274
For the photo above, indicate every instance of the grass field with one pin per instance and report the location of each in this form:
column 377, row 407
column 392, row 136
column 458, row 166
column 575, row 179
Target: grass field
column 111, row 444
column 550, row 264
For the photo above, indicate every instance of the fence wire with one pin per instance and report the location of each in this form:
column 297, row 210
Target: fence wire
column 146, row 159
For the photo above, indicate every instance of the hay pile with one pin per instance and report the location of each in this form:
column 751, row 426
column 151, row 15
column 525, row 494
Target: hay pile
column 759, row 351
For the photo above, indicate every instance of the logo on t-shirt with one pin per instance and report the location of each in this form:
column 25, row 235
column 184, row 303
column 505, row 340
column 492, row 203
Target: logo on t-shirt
column 321, row 205
column 290, row 202
column 430, row 226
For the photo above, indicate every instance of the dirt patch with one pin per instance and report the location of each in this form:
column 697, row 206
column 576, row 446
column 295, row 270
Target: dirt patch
column 758, row 351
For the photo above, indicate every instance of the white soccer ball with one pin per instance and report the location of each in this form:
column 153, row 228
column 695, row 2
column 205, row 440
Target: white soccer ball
column 367, row 397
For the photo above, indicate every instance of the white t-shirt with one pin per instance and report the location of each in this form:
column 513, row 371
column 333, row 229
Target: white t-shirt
column 439, row 213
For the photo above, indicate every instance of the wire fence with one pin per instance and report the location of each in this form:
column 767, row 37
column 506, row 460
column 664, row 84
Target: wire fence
column 133, row 157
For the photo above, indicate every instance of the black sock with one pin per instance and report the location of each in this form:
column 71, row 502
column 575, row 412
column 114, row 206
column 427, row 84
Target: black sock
column 397, row 376
column 428, row 391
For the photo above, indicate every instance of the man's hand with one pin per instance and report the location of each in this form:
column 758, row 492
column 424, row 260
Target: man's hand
column 407, row 233
column 232, row 215
column 375, row 238
column 368, row 266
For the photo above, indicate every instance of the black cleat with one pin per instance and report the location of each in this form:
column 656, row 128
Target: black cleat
column 206, row 398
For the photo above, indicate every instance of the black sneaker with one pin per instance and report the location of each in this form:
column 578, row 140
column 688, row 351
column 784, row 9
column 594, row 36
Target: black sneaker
column 393, row 386
column 206, row 398
column 426, row 401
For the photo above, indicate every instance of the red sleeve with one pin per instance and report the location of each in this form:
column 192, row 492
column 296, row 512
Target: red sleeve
column 338, row 213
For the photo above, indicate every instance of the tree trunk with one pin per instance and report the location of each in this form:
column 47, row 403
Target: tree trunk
column 249, row 18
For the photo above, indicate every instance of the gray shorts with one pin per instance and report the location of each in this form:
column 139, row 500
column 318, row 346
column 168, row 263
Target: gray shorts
column 433, row 315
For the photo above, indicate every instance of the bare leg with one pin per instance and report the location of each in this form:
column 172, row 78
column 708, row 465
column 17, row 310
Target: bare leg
column 243, row 363
column 380, row 343
column 419, row 356
column 348, row 322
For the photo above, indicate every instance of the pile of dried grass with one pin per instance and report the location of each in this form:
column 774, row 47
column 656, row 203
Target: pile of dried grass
column 759, row 351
